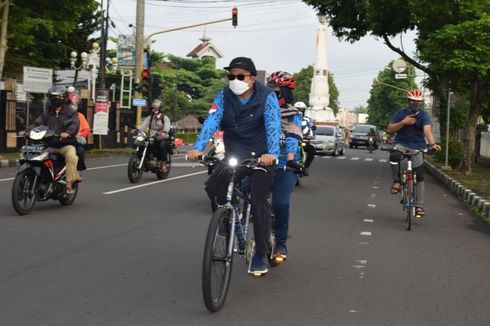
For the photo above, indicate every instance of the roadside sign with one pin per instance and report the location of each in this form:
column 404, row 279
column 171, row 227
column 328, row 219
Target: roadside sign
column 400, row 76
column 37, row 80
column 399, row 65
column 139, row 102
column 101, row 118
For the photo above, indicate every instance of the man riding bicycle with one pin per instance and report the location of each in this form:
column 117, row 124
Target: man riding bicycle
column 412, row 126
column 248, row 114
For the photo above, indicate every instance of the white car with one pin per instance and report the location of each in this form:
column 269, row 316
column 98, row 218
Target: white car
column 328, row 140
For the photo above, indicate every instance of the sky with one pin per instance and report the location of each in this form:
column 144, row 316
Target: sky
column 276, row 34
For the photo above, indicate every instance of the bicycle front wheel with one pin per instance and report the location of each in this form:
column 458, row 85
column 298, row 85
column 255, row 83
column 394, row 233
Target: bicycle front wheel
column 218, row 260
column 410, row 203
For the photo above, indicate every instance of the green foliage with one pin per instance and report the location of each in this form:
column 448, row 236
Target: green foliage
column 455, row 153
column 43, row 33
column 189, row 86
column 303, row 87
column 388, row 95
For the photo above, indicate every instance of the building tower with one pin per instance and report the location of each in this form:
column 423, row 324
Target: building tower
column 319, row 94
column 205, row 49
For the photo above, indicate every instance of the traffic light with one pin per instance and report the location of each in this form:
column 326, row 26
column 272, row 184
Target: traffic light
column 234, row 17
column 156, row 87
column 145, row 83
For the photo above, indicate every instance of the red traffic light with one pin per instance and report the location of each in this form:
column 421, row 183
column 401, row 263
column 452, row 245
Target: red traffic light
column 234, row 17
column 145, row 73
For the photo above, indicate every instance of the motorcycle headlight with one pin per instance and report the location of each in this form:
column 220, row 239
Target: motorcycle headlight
column 140, row 138
column 233, row 162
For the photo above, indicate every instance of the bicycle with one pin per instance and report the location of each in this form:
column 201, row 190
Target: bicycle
column 408, row 183
column 228, row 233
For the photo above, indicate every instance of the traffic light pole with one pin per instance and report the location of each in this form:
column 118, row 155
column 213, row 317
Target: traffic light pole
column 141, row 51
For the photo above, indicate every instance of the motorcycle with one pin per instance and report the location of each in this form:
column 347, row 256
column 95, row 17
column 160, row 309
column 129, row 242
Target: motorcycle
column 144, row 159
column 370, row 144
column 41, row 174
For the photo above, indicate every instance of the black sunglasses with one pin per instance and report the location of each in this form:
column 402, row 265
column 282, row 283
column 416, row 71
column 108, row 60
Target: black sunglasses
column 239, row 76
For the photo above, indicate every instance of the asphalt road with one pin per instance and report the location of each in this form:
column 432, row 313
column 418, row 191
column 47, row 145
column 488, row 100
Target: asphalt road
column 126, row 255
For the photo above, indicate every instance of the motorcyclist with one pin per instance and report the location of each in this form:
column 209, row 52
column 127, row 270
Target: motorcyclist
column 159, row 124
column 308, row 133
column 372, row 133
column 285, row 180
column 56, row 118
column 83, row 132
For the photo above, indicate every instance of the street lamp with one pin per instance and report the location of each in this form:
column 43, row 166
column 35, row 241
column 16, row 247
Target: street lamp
column 90, row 61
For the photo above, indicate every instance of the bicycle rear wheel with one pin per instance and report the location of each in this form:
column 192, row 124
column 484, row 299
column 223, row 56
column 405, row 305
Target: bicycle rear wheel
column 217, row 261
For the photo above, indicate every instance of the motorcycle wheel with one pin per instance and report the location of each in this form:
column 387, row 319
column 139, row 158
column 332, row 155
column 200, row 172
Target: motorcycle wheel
column 24, row 192
column 163, row 175
column 134, row 174
column 67, row 200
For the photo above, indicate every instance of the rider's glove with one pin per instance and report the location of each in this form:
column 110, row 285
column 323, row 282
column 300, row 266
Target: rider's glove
column 295, row 166
column 81, row 140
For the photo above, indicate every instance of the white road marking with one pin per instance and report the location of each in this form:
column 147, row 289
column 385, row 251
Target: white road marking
column 152, row 183
column 341, row 157
column 355, row 158
column 368, row 159
column 375, row 187
column 106, row 166
column 366, row 233
column 362, row 261
column 7, row 179
column 372, row 205
column 382, row 160
column 368, row 220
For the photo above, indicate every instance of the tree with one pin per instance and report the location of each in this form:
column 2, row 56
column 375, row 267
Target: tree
column 303, row 88
column 189, row 85
column 452, row 43
column 461, row 52
column 44, row 32
column 388, row 95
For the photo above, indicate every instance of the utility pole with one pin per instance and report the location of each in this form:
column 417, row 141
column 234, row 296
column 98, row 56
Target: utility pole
column 4, row 7
column 103, row 42
column 140, row 35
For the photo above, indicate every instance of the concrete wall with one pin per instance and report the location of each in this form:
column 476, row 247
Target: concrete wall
column 485, row 144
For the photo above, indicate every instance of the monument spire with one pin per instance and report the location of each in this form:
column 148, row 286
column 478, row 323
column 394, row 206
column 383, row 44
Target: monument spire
column 319, row 94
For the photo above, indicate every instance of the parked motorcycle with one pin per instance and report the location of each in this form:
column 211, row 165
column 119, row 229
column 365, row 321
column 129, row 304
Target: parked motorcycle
column 144, row 158
column 41, row 174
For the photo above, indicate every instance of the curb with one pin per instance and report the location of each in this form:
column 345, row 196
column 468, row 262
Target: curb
column 466, row 195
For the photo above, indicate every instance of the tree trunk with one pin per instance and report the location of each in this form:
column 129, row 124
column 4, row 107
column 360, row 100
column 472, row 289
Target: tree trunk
column 477, row 88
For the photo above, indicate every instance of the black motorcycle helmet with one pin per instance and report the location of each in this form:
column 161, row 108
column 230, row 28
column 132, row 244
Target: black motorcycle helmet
column 57, row 95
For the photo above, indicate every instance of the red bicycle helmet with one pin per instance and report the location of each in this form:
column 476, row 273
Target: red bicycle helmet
column 415, row 95
column 281, row 78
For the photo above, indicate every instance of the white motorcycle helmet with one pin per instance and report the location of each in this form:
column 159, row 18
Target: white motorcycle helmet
column 300, row 105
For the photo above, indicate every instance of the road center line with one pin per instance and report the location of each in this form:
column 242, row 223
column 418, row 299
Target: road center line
column 152, row 183
column 367, row 220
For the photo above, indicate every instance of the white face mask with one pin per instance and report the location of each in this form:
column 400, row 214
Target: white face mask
column 238, row 87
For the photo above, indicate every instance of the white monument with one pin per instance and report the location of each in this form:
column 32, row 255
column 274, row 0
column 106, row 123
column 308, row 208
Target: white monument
column 319, row 95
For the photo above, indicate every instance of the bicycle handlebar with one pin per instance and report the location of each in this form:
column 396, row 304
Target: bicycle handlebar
column 410, row 152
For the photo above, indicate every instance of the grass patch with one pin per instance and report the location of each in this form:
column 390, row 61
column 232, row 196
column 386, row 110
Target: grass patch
column 478, row 181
